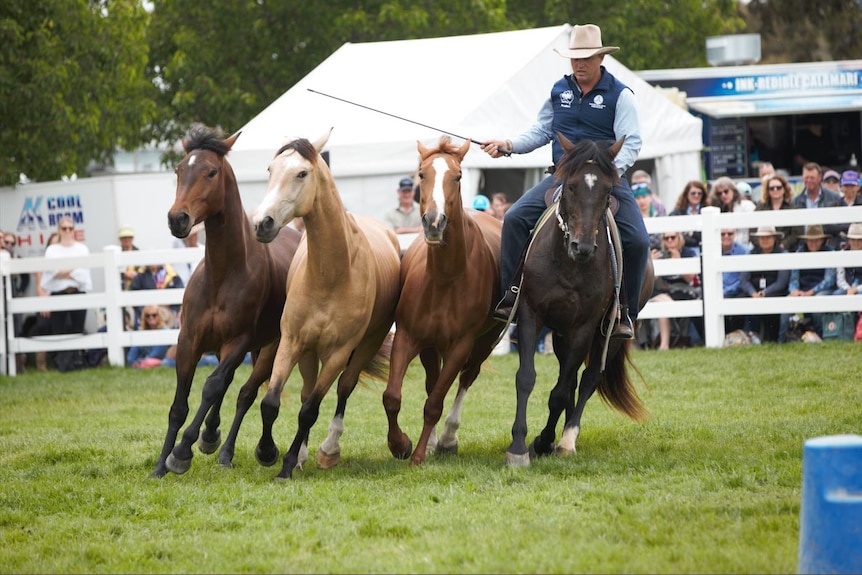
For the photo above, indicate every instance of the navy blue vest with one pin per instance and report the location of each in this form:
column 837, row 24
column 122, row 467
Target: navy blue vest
column 585, row 118
column 810, row 278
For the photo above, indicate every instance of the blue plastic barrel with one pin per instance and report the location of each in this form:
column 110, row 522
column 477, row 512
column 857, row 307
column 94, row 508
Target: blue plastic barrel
column 830, row 531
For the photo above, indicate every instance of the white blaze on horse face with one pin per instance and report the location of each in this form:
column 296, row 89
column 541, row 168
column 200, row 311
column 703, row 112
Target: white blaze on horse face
column 283, row 188
column 192, row 159
column 438, row 193
column 590, row 180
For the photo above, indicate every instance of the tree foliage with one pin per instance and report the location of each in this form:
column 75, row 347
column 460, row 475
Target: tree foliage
column 804, row 31
column 72, row 84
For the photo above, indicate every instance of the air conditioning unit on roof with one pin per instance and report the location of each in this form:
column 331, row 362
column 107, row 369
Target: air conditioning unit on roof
column 734, row 50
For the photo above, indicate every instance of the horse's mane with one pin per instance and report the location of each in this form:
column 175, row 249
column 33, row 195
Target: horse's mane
column 303, row 147
column 204, row 138
column 583, row 152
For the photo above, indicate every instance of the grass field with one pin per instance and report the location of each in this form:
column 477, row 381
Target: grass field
column 710, row 483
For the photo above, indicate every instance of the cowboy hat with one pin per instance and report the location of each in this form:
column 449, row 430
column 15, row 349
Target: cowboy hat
column 814, row 232
column 126, row 232
column 585, row 42
column 765, row 231
column 853, row 233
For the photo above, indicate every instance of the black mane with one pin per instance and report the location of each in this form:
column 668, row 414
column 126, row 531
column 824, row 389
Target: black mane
column 204, row 138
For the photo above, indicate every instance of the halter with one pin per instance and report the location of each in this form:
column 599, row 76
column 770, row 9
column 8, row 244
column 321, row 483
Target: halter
column 562, row 224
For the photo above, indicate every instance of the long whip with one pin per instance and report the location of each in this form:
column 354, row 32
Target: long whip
column 509, row 153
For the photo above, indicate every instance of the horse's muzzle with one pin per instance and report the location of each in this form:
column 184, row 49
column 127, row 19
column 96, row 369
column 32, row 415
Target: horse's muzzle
column 580, row 251
column 433, row 224
column 265, row 230
column 180, row 224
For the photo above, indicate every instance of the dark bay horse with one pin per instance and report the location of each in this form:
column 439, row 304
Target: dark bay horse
column 231, row 303
column 341, row 295
column 568, row 285
column 449, row 282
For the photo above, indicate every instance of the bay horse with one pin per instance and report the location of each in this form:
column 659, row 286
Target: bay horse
column 449, row 282
column 568, row 286
column 342, row 290
column 231, row 303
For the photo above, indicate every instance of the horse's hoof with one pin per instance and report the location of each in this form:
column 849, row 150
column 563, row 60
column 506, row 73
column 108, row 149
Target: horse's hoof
column 327, row 460
column 209, row 446
column 158, row 473
column 563, row 451
column 404, row 454
column 227, row 464
column 517, row 460
column 447, row 449
column 263, row 459
column 178, row 466
column 541, row 452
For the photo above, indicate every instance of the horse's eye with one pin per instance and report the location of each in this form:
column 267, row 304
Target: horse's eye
column 213, row 173
column 421, row 176
column 301, row 175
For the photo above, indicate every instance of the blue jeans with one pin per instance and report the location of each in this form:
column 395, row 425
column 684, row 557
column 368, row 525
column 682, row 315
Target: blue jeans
column 525, row 213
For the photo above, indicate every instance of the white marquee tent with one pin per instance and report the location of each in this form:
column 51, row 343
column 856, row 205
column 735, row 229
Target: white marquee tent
column 480, row 86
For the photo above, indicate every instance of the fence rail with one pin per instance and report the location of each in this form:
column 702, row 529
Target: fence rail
column 710, row 265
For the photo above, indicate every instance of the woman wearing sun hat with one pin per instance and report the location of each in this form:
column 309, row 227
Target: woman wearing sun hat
column 768, row 283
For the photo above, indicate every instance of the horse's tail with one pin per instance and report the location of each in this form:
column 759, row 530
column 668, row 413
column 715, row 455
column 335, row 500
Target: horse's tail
column 617, row 389
column 378, row 367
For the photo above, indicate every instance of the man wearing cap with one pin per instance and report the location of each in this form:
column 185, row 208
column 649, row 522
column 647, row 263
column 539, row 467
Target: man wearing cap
column 850, row 197
column 405, row 217
column 814, row 195
column 768, row 283
column 589, row 104
column 126, row 236
column 831, row 181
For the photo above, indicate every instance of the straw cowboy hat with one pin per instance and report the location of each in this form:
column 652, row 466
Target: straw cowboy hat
column 764, row 231
column 814, row 232
column 585, row 42
column 853, row 233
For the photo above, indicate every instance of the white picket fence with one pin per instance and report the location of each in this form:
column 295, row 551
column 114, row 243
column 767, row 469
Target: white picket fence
column 713, row 307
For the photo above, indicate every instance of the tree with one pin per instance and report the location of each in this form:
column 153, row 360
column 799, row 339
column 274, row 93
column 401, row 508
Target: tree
column 802, row 31
column 72, row 85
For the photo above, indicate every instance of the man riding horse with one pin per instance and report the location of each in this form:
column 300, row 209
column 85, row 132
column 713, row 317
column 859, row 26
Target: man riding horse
column 589, row 104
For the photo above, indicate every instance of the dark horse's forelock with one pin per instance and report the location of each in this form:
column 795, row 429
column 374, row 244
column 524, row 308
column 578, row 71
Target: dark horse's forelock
column 203, row 138
column 303, row 147
column 583, row 152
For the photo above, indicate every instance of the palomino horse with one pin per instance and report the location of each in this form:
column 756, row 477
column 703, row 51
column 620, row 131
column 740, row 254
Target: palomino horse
column 568, row 285
column 341, row 291
column 449, row 282
column 232, row 302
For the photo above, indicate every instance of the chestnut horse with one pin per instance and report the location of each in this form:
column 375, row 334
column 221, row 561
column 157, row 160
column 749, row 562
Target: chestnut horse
column 568, row 285
column 449, row 282
column 341, row 292
column 231, row 303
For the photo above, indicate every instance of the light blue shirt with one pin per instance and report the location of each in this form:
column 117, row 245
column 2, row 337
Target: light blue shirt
column 625, row 124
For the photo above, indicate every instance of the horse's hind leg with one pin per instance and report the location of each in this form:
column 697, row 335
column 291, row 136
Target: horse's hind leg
column 247, row 394
column 589, row 383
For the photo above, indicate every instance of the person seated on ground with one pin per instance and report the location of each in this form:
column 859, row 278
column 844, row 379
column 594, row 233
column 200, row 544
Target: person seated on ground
column 144, row 356
column 156, row 276
column 670, row 288
column 694, row 197
column 768, row 283
column 810, row 282
column 849, row 278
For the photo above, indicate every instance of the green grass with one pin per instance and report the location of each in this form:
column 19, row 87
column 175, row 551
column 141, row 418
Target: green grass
column 710, row 483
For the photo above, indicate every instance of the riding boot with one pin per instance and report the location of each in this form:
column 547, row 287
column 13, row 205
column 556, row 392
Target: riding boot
column 623, row 328
column 503, row 309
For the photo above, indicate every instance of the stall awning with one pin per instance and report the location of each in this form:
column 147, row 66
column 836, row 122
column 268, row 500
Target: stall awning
column 732, row 107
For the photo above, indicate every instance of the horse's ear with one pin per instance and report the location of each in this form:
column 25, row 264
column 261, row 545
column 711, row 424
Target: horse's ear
column 423, row 151
column 321, row 141
column 462, row 151
column 564, row 142
column 616, row 147
column 229, row 142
